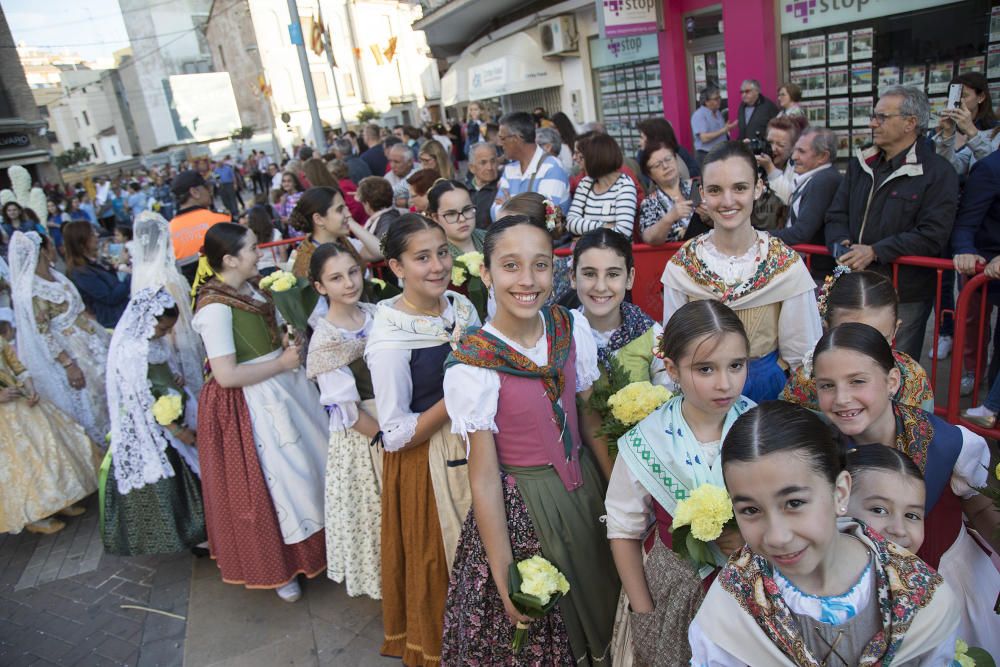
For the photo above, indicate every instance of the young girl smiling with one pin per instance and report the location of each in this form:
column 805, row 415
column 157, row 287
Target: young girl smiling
column 661, row 460
column 810, row 588
column 353, row 467
column 535, row 486
column 425, row 493
column 450, row 205
column 324, row 218
column 758, row 276
column 888, row 494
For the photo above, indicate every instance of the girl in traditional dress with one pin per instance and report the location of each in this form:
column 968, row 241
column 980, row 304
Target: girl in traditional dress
column 536, row 489
column 758, row 276
column 262, row 434
column 856, row 380
column 353, row 465
column 48, row 460
column 661, row 460
column 63, row 348
column 324, row 218
column 869, row 298
column 151, row 497
column 153, row 265
column 888, row 494
column 812, row 587
column 450, row 205
column 542, row 211
column 425, row 492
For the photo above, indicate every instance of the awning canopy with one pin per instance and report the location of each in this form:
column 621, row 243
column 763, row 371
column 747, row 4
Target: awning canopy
column 25, row 157
column 453, row 24
column 510, row 65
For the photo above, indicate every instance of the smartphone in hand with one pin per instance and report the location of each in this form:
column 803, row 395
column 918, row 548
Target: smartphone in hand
column 954, row 96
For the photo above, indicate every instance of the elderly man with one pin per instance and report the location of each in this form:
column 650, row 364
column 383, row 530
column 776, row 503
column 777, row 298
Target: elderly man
column 400, row 167
column 356, row 167
column 782, row 135
column 898, row 198
column 374, row 157
column 530, row 169
column 814, row 185
column 484, row 175
column 755, row 110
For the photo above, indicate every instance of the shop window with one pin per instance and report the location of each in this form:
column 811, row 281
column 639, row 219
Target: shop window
column 320, row 85
column 349, row 85
column 627, row 92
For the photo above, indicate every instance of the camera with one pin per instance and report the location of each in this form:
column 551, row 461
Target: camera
column 760, row 146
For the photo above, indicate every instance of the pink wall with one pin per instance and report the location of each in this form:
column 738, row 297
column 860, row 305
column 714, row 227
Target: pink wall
column 751, row 52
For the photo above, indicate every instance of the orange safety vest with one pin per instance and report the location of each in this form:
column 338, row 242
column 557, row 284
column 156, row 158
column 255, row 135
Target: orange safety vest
column 187, row 230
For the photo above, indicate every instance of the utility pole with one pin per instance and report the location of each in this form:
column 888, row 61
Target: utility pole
column 295, row 32
column 333, row 72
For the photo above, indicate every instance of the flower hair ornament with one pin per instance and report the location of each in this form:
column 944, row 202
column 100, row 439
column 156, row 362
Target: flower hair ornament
column 551, row 214
column 824, row 291
column 203, row 274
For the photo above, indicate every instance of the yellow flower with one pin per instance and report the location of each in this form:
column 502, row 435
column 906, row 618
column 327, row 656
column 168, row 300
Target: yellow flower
column 706, row 510
column 168, row 409
column 457, row 276
column 267, row 281
column 634, row 402
column 540, row 578
column 378, row 282
column 472, row 261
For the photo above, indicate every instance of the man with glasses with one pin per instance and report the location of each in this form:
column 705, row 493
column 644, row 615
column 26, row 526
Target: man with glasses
column 755, row 111
column 530, row 169
column 483, row 176
column 708, row 124
column 898, row 198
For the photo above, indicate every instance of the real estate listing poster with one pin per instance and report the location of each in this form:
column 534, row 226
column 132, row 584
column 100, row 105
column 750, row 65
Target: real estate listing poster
column 836, row 47
column 838, row 80
column 862, row 43
column 840, row 112
column 861, row 77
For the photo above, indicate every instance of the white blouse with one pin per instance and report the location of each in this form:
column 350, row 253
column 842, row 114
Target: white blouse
column 338, row 389
column 971, row 471
column 657, row 371
column 471, row 394
column 799, row 326
column 214, row 323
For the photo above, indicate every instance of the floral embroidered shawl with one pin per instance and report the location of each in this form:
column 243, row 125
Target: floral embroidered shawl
column 634, row 324
column 216, row 291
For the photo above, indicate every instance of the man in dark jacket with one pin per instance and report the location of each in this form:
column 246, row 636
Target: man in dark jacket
column 356, row 167
column 484, row 175
column 755, row 111
column 898, row 198
column 374, row 157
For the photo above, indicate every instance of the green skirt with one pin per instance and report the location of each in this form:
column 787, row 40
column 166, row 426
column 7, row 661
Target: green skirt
column 160, row 518
column 573, row 539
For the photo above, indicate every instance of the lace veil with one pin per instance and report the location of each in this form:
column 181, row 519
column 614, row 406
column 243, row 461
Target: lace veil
column 153, row 266
column 137, row 441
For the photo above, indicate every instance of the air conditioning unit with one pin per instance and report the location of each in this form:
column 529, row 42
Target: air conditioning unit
column 558, row 36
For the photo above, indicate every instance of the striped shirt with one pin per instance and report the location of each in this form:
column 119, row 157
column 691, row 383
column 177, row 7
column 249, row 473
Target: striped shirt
column 544, row 175
column 614, row 208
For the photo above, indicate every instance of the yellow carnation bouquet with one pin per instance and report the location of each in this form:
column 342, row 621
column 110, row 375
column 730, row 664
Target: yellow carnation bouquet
column 168, row 409
column 621, row 403
column 294, row 298
column 465, row 269
column 535, row 586
column 698, row 520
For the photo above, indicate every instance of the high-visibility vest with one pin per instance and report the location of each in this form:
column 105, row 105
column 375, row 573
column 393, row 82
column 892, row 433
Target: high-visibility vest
column 187, row 231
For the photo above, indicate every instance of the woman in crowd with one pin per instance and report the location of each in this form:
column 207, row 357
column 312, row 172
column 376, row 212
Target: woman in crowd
column 964, row 135
column 15, row 220
column 809, row 582
column 54, row 221
column 322, row 215
column 260, row 222
column 789, row 96
column 658, row 130
column 434, row 156
column 375, row 195
column 536, row 489
column 704, row 347
column 758, row 276
column 450, row 205
column 150, row 495
column 291, row 192
column 420, row 182
column 567, row 132
column 856, row 378
column 257, row 417
column 353, row 466
column 104, row 294
column 425, row 480
column 49, row 462
column 869, row 298
column 338, row 169
column 61, row 346
column 606, row 197
column 668, row 212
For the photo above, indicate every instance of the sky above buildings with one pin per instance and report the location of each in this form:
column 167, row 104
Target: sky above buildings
column 93, row 29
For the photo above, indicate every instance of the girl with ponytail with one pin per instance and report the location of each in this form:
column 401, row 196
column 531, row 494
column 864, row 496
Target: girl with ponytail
column 324, row 218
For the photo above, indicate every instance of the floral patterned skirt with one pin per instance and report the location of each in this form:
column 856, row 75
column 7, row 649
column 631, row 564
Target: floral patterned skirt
column 476, row 628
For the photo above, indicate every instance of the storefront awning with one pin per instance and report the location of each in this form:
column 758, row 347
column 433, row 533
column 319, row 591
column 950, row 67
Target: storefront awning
column 510, row 65
column 26, row 157
column 452, row 24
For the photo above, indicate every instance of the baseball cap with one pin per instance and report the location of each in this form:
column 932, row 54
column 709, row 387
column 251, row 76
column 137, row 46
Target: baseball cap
column 186, row 180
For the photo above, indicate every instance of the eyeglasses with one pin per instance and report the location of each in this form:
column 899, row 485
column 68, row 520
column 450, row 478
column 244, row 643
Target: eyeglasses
column 453, row 217
column 746, row 91
column 505, row 137
column 879, row 118
column 662, row 164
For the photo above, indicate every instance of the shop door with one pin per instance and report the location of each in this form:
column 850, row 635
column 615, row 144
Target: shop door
column 706, row 54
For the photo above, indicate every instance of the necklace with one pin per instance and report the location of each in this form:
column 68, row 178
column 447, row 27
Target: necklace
column 420, row 311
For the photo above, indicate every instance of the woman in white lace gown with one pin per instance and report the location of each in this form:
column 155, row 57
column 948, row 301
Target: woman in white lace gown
column 63, row 348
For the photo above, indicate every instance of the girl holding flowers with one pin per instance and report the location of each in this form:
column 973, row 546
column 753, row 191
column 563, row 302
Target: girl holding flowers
column 151, row 497
column 425, row 492
column 322, row 215
column 764, row 281
column 664, row 459
column 869, row 298
column 353, row 467
column 262, row 434
column 811, row 587
column 856, row 379
column 535, row 487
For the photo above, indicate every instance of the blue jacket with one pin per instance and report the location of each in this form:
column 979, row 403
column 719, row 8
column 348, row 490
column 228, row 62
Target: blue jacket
column 104, row 295
column 977, row 225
